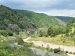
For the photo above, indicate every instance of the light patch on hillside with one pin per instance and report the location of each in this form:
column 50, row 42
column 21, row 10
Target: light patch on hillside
column 60, row 21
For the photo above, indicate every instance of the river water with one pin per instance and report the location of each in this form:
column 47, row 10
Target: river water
column 40, row 52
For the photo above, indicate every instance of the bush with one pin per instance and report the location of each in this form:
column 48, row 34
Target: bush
column 7, row 50
column 19, row 41
column 57, row 50
column 66, row 51
column 70, row 52
column 10, row 33
column 4, row 33
column 74, row 53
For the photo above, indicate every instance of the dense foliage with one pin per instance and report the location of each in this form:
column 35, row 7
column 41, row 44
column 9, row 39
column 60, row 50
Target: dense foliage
column 10, row 46
column 14, row 21
column 20, row 20
column 11, row 20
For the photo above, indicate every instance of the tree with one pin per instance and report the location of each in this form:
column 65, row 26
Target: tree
column 50, row 32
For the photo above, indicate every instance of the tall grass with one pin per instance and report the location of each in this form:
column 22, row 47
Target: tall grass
column 9, row 48
column 55, row 40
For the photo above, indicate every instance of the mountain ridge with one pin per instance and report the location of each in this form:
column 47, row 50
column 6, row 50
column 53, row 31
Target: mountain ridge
column 19, row 20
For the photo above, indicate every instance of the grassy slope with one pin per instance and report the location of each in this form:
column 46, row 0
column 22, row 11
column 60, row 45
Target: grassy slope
column 56, row 40
column 17, row 20
column 40, row 19
column 24, row 19
column 9, row 48
column 61, row 39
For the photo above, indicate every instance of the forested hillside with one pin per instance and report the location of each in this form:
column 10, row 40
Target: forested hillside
column 39, row 19
column 13, row 20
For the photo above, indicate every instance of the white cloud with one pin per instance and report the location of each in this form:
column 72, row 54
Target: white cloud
column 40, row 4
column 34, row 3
column 66, row 6
column 65, row 12
column 0, row 2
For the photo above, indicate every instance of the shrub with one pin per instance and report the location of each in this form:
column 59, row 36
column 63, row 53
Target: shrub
column 70, row 52
column 66, row 51
column 57, row 50
column 74, row 53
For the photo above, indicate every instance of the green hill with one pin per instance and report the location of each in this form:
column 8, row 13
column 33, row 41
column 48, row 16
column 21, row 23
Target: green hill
column 40, row 19
column 10, row 19
column 18, row 20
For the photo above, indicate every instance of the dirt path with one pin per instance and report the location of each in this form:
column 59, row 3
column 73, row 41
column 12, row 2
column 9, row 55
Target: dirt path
column 53, row 46
column 26, row 40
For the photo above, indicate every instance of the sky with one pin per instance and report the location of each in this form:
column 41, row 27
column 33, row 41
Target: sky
column 49, row 7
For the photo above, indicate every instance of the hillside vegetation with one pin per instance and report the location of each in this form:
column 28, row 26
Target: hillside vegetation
column 15, row 21
column 12, row 20
column 16, row 25
column 14, row 46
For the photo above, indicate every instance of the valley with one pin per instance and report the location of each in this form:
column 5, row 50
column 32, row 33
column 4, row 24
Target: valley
column 22, row 32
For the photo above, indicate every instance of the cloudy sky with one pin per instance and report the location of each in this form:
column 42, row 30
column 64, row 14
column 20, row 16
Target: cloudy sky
column 50, row 7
